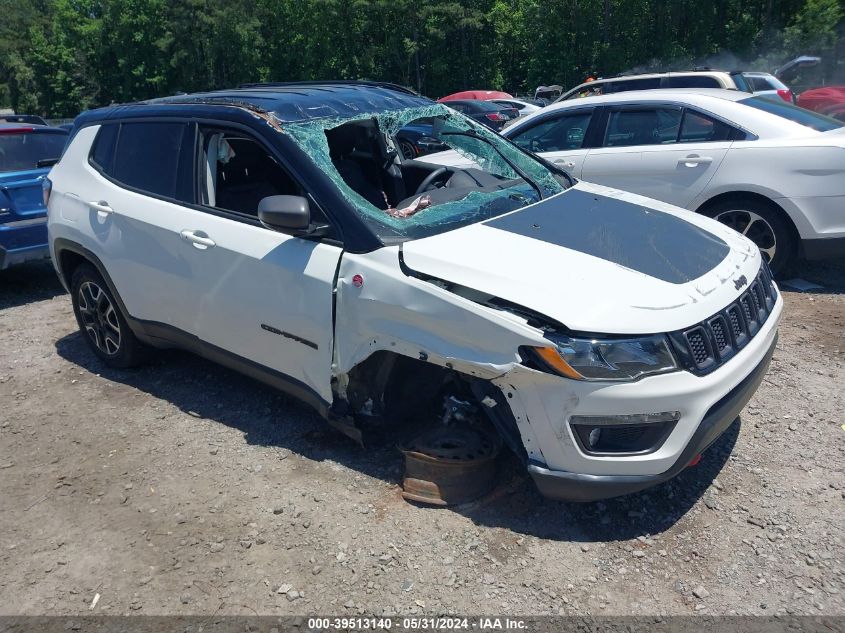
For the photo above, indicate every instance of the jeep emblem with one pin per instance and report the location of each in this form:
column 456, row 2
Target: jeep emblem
column 740, row 281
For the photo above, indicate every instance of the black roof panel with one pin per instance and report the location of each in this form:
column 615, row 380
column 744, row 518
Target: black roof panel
column 291, row 102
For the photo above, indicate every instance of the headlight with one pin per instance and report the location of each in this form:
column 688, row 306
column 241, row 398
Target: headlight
column 608, row 359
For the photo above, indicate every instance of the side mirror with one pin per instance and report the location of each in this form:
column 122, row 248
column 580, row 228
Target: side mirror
column 288, row 214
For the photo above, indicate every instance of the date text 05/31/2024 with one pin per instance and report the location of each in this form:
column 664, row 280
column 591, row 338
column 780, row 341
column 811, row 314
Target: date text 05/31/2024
column 417, row 624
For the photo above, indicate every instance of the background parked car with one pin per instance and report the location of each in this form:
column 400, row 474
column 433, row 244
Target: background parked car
column 523, row 108
column 770, row 170
column 29, row 119
column 480, row 95
column 733, row 80
column 722, row 153
column 490, row 114
column 416, row 140
column 829, row 101
column 765, row 84
column 26, row 154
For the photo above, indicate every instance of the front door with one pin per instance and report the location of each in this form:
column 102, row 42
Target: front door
column 559, row 139
column 265, row 296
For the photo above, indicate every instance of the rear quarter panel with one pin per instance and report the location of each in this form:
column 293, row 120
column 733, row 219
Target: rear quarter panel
column 786, row 170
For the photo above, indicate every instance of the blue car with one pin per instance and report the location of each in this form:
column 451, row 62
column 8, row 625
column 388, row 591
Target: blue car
column 416, row 139
column 26, row 154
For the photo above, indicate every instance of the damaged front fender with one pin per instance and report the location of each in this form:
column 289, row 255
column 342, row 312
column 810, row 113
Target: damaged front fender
column 381, row 308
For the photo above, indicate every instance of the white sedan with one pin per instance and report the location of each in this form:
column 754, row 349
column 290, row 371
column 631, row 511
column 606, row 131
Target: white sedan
column 768, row 169
column 523, row 107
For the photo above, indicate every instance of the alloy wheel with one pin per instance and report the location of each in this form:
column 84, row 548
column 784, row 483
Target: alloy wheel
column 99, row 318
column 407, row 150
column 752, row 226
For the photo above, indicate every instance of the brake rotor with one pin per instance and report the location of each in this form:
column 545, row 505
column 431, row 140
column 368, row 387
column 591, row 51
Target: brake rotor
column 449, row 465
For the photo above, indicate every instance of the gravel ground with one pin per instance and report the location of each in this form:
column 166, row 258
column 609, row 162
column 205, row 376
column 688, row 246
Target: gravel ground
column 184, row 488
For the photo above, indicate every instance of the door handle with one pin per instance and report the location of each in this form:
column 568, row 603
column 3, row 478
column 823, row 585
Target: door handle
column 693, row 160
column 102, row 207
column 564, row 163
column 200, row 241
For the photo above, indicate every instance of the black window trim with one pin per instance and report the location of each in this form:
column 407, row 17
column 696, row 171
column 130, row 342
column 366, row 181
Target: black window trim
column 622, row 107
column 606, row 108
column 101, row 170
column 246, row 218
column 195, row 122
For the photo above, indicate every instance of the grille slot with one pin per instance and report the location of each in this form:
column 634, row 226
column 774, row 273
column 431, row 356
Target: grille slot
column 737, row 324
column 720, row 334
column 705, row 346
column 747, row 309
column 697, row 341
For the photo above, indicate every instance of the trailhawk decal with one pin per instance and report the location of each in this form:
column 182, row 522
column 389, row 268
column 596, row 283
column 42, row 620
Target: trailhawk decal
column 639, row 238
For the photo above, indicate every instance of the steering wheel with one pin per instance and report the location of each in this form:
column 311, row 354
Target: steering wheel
column 431, row 178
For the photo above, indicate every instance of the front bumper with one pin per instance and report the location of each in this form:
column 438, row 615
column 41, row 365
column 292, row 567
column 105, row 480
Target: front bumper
column 568, row 486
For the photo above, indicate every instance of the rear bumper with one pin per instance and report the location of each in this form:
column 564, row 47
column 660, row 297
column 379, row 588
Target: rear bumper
column 824, row 248
column 23, row 241
column 21, row 255
column 567, row 486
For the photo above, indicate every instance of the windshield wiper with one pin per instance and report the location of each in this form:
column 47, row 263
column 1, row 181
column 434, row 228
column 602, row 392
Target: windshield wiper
column 510, row 163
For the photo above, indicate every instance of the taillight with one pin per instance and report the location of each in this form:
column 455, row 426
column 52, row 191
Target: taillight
column 786, row 95
column 495, row 116
column 46, row 189
column 16, row 130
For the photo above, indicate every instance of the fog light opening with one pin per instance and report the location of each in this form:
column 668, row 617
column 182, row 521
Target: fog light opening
column 594, row 437
column 632, row 434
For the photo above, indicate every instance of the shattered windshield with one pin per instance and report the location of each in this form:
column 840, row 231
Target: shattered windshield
column 392, row 167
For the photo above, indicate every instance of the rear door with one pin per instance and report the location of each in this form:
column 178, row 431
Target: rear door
column 659, row 151
column 131, row 197
column 561, row 138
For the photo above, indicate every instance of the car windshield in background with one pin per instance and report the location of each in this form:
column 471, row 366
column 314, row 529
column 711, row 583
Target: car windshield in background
column 31, row 119
column 21, row 151
column 409, row 200
column 807, row 118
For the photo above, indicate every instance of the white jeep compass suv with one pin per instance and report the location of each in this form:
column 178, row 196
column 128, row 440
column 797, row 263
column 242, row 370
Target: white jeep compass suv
column 605, row 338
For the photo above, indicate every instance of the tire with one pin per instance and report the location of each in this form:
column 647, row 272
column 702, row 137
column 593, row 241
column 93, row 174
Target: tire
column 762, row 223
column 407, row 149
column 101, row 322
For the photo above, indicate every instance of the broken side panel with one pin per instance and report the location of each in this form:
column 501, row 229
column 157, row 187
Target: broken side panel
column 380, row 308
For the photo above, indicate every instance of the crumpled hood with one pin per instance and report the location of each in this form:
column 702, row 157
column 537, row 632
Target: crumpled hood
column 597, row 260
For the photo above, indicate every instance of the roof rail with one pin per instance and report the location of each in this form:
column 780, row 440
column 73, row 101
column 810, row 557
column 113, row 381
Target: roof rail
column 332, row 82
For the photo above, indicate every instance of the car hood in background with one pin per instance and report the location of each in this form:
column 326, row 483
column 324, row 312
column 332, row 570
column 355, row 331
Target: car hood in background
column 596, row 260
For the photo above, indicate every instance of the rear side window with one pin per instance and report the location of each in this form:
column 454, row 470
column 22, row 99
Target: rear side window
column 103, row 154
column 693, row 81
column 21, row 150
column 642, row 126
column 759, row 83
column 807, row 118
column 557, row 134
column 147, row 156
column 697, row 128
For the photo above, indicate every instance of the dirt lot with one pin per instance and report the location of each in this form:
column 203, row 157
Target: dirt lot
column 184, row 488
